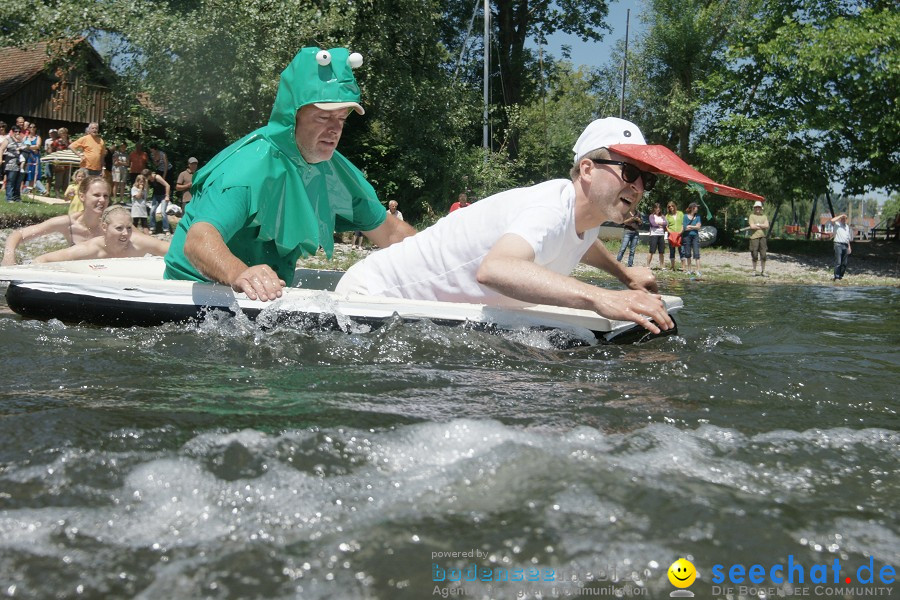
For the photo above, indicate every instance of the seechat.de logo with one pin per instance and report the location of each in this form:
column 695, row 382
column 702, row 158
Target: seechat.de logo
column 682, row 574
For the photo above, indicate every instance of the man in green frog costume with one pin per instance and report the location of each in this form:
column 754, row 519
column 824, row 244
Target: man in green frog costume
column 280, row 192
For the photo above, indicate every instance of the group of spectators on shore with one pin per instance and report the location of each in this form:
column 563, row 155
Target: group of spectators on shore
column 145, row 180
column 681, row 230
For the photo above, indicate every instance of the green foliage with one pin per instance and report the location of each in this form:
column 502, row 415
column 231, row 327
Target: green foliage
column 829, row 73
column 549, row 126
column 891, row 208
column 781, row 97
column 677, row 64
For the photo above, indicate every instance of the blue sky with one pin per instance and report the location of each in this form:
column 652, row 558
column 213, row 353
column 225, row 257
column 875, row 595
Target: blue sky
column 594, row 54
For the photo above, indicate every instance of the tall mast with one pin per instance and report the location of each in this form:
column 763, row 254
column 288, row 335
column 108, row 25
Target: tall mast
column 624, row 66
column 487, row 71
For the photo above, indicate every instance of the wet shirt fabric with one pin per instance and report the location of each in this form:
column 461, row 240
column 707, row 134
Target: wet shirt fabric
column 291, row 207
column 440, row 263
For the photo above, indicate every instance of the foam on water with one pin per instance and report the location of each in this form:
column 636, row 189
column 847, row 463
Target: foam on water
column 227, row 459
column 342, row 505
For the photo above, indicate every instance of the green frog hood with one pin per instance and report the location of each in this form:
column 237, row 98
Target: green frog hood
column 295, row 203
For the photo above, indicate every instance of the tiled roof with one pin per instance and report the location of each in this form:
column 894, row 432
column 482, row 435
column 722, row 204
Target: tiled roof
column 18, row 66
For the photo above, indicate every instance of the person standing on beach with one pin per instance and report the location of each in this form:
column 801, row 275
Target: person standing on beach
column 282, row 191
column 841, row 245
column 186, row 180
column 759, row 225
column 12, row 149
column 690, row 237
column 630, row 236
column 657, row 235
column 392, row 209
column 137, row 162
column 674, row 227
column 461, row 202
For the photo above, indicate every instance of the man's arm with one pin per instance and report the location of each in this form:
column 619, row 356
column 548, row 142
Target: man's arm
column 636, row 279
column 509, row 268
column 837, row 218
column 206, row 249
column 391, row 231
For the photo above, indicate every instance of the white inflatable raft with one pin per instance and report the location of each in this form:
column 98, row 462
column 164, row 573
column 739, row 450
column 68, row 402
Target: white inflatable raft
column 132, row 292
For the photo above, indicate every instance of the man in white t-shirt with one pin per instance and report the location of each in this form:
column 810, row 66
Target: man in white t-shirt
column 392, row 209
column 519, row 247
column 842, row 237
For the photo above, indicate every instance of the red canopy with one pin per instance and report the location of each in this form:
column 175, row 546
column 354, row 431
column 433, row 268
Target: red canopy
column 659, row 159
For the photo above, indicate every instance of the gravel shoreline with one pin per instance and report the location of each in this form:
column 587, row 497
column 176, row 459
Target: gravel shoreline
column 737, row 267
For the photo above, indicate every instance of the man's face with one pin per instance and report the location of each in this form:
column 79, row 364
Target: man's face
column 93, row 129
column 614, row 196
column 192, row 167
column 318, row 132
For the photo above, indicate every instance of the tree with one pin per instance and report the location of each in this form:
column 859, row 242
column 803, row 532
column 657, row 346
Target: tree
column 550, row 124
column 208, row 70
column 514, row 22
column 829, row 73
column 678, row 63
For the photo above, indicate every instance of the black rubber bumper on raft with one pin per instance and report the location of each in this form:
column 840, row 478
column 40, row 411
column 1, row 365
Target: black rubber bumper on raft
column 111, row 312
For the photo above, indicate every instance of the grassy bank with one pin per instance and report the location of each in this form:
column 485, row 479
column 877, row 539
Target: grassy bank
column 28, row 212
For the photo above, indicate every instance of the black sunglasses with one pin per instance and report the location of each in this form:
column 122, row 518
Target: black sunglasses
column 630, row 173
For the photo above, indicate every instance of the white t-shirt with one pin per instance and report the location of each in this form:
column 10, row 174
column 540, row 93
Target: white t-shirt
column 397, row 214
column 440, row 262
column 841, row 233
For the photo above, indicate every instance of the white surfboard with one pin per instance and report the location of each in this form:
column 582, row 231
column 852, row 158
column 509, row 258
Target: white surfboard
column 132, row 292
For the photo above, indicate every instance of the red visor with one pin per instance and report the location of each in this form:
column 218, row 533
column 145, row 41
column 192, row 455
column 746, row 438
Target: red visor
column 659, row 159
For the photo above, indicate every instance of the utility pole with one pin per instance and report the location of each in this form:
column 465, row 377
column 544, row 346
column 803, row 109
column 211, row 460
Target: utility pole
column 624, row 66
column 487, row 73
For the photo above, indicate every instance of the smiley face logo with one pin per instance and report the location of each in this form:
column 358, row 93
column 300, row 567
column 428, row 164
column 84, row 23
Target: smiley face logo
column 682, row 573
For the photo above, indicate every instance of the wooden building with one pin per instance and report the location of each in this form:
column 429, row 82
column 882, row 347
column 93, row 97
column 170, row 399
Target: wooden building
column 55, row 84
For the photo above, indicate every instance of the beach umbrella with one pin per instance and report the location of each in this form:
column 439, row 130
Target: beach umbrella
column 63, row 157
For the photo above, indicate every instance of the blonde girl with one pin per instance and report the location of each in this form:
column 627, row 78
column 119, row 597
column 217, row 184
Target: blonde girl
column 139, row 203
column 118, row 241
column 75, row 227
column 73, row 194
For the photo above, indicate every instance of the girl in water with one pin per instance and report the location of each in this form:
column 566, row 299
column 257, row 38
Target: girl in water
column 117, row 241
column 75, row 227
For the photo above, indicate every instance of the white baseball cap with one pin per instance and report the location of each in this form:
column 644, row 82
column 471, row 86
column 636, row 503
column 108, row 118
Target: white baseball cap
column 604, row 133
column 757, row 204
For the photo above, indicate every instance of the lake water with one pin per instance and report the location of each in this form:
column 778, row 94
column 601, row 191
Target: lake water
column 223, row 461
